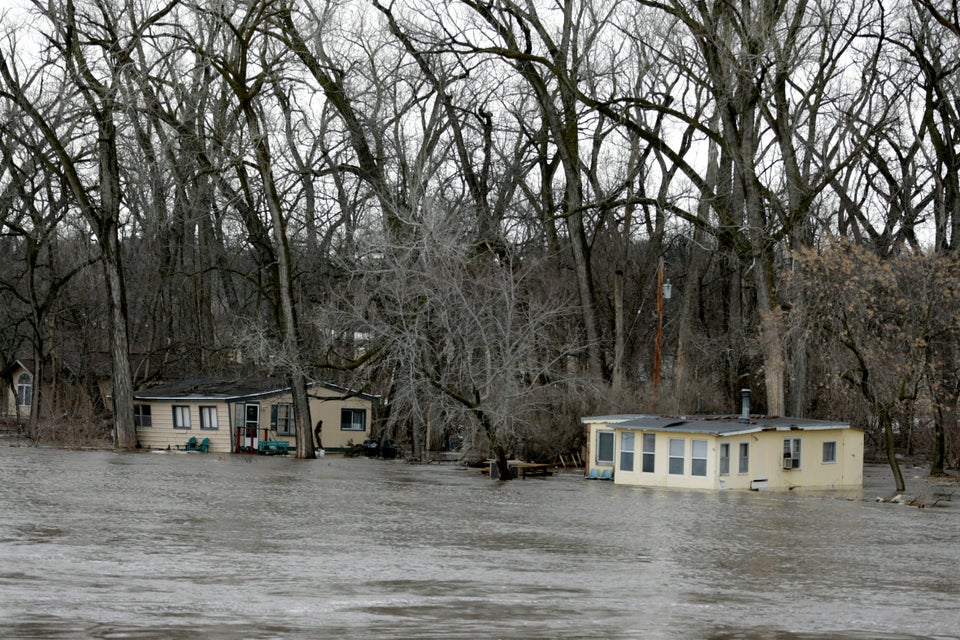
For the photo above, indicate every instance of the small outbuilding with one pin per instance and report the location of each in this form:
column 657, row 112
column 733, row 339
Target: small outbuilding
column 236, row 415
column 725, row 452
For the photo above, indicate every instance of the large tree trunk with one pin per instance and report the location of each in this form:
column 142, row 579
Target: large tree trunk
column 125, row 431
column 289, row 324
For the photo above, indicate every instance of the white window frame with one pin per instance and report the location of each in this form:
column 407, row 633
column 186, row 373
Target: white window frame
column 208, row 418
column 284, row 421
column 600, row 436
column 698, row 459
column 743, row 454
column 351, row 424
column 181, row 416
column 792, row 449
column 677, row 455
column 832, row 459
column 649, row 453
column 25, row 389
column 627, row 440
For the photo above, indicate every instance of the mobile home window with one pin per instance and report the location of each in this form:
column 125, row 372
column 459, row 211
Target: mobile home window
column 208, row 418
column 626, row 451
column 181, row 417
column 353, row 420
column 744, row 458
column 605, row 447
column 676, row 457
column 698, row 458
column 649, row 451
column 141, row 416
column 829, row 452
column 25, row 389
column 791, row 453
column 282, row 418
column 724, row 458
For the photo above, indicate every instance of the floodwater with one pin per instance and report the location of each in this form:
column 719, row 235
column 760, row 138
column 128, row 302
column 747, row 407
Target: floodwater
column 176, row 546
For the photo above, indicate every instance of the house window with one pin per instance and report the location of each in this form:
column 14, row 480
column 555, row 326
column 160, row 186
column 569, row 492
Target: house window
column 698, row 458
column 649, row 450
column 626, row 451
column 142, row 416
column 353, row 419
column 282, row 418
column 724, row 458
column 829, row 452
column 676, row 457
column 791, row 453
column 208, row 418
column 744, row 458
column 181, row 416
column 605, row 447
column 25, row 389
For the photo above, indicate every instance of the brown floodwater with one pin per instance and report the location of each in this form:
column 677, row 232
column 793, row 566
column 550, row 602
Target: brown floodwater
column 176, row 546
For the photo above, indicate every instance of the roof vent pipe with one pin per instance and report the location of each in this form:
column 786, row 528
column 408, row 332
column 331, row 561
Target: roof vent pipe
column 745, row 405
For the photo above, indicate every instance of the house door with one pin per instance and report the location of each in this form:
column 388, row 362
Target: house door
column 248, row 424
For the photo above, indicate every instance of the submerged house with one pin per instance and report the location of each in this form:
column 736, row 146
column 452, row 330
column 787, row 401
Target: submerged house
column 726, row 452
column 234, row 416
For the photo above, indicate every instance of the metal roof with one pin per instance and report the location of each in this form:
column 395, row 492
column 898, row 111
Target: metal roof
column 718, row 425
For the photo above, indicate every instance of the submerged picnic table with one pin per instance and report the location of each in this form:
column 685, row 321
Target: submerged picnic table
column 523, row 469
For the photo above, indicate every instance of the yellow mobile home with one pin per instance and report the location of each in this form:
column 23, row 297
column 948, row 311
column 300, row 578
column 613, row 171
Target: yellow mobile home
column 725, row 452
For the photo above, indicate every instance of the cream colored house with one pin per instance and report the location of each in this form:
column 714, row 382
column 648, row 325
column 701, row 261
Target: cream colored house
column 726, row 452
column 236, row 415
column 17, row 381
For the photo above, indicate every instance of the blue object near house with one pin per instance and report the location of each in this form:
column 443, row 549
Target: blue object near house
column 270, row 447
column 592, row 475
column 606, row 474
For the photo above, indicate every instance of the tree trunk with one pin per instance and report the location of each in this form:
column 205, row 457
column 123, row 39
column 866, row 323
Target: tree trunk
column 886, row 421
column 503, row 465
column 108, row 221
column 288, row 314
column 618, row 320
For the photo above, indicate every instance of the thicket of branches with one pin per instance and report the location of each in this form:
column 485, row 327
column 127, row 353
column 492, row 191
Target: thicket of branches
column 461, row 205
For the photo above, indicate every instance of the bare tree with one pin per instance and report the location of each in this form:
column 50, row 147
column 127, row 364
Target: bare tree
column 88, row 46
column 477, row 342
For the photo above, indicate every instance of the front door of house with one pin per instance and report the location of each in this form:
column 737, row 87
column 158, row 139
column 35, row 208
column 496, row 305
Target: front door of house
column 248, row 425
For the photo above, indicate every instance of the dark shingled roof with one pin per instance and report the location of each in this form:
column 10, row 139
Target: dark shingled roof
column 231, row 389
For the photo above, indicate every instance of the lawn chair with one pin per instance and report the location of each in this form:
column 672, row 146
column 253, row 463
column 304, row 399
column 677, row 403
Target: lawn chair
column 593, row 475
column 204, row 445
column 606, row 474
column 191, row 445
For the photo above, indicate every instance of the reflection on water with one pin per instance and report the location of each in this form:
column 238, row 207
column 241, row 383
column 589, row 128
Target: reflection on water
column 151, row 546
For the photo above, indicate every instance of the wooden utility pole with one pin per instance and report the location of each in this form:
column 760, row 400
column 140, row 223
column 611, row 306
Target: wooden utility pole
column 656, row 349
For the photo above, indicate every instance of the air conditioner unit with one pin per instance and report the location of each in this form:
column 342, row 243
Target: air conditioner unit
column 788, row 463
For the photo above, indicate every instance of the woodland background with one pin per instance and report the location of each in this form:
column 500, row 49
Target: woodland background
column 464, row 207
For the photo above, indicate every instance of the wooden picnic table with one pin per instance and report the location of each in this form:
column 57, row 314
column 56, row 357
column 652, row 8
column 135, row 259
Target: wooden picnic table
column 525, row 469
column 520, row 469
